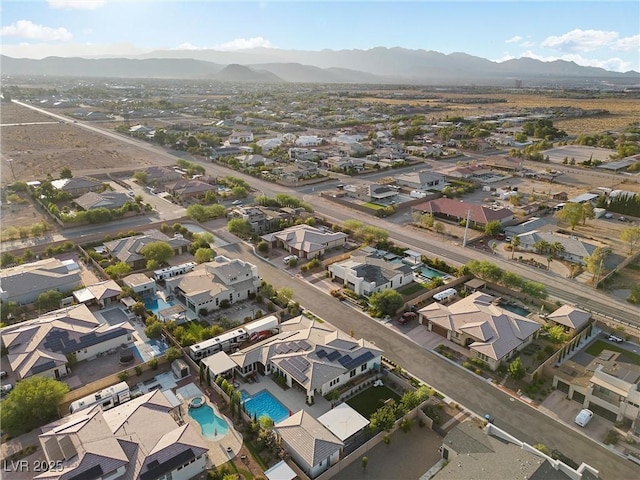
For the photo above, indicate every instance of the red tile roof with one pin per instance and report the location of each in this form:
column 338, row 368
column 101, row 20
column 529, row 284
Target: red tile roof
column 455, row 208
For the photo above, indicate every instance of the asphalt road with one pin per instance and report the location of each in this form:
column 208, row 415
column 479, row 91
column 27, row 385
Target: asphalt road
column 518, row 419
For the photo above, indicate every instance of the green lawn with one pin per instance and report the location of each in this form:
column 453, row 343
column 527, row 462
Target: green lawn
column 373, row 206
column 195, row 327
column 371, row 399
column 596, row 347
column 411, row 289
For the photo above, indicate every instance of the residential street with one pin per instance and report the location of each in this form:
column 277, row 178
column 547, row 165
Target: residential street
column 515, row 417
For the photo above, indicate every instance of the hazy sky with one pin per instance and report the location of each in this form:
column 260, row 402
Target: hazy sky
column 595, row 33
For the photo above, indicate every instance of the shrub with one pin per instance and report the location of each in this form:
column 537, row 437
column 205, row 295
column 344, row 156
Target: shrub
column 123, row 376
column 611, row 438
column 153, row 364
column 138, row 370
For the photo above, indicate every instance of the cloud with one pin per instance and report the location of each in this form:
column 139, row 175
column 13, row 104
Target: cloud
column 614, row 64
column 581, row 40
column 515, row 39
column 627, row 43
column 76, row 4
column 527, row 44
column 28, row 29
column 244, row 43
column 237, row 44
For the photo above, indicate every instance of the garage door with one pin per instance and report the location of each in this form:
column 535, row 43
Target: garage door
column 563, row 387
column 439, row 330
column 603, row 412
column 578, row 397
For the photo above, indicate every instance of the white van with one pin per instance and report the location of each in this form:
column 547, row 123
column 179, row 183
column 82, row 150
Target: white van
column 584, row 417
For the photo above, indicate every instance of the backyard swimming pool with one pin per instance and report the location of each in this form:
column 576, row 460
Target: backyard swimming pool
column 429, row 273
column 213, row 427
column 515, row 309
column 263, row 403
column 157, row 304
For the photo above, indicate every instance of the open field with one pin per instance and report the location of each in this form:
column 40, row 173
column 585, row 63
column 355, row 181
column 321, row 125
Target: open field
column 37, row 150
column 623, row 111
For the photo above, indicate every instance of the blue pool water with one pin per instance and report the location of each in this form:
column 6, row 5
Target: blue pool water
column 515, row 309
column 263, row 403
column 429, row 272
column 157, row 304
column 213, row 427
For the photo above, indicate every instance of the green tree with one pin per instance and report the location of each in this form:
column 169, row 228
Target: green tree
column 557, row 334
column 571, row 213
column 32, row 403
column 594, row 263
column 141, row 177
column 172, row 353
column 438, row 227
column 49, row 300
column 138, row 308
column 203, row 255
column 515, row 243
column 382, row 419
column 7, row 309
column 118, row 270
column 239, row 227
column 66, row 173
column 153, row 329
column 493, row 227
column 284, row 295
column 516, row 369
column 263, row 247
column 158, row 251
column 634, row 295
column 386, row 302
column 588, row 212
column 631, row 236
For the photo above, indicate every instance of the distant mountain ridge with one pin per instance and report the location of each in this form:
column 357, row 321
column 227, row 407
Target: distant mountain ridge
column 265, row 65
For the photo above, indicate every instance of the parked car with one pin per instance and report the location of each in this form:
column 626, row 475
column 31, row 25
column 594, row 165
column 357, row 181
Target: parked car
column 407, row 317
column 236, row 202
column 288, row 258
column 613, row 338
column 489, row 418
column 584, row 417
column 3, row 374
column 5, row 389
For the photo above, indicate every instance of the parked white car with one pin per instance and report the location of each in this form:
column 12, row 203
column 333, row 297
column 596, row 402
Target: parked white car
column 288, row 258
column 4, row 389
column 584, row 417
column 613, row 338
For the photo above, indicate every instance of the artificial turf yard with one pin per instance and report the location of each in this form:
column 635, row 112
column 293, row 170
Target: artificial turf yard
column 596, row 347
column 370, row 400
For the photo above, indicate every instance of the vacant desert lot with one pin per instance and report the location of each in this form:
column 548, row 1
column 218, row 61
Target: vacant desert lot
column 39, row 149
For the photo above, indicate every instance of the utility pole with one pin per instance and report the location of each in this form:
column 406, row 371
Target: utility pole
column 466, row 229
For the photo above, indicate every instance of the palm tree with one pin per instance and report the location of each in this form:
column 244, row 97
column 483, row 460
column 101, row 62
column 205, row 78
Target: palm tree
column 556, row 248
column 493, row 246
column 541, row 246
column 549, row 260
column 515, row 243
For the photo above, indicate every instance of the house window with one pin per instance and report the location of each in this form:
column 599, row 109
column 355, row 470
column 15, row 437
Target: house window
column 363, row 367
column 352, row 373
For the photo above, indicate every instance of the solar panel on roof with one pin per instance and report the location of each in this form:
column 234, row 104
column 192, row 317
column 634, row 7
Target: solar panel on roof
column 304, row 344
column 344, row 360
column 365, row 357
column 334, row 355
column 321, row 353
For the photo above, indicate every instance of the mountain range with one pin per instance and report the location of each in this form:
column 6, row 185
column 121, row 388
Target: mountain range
column 268, row 65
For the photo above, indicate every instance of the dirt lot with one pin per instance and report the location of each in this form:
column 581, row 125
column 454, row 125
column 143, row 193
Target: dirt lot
column 23, row 214
column 37, row 150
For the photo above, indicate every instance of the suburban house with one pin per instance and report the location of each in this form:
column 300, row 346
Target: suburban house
column 306, row 154
column 269, row 144
column 313, row 357
column 109, row 200
column 308, row 141
column 157, row 175
column 140, row 284
column 188, row 189
column 608, row 386
column 423, row 180
column 102, row 293
column 366, row 275
column 40, row 346
column 222, row 152
column 456, row 210
column 140, row 439
column 382, row 192
column 346, row 424
column 490, row 453
column 344, row 163
column 571, row 318
column 311, row 445
column 261, row 219
column 76, row 186
column 210, row 284
column 573, row 249
column 253, row 160
column 305, row 241
column 534, row 223
column 491, row 333
column 23, row 283
column 240, row 137
column 128, row 249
